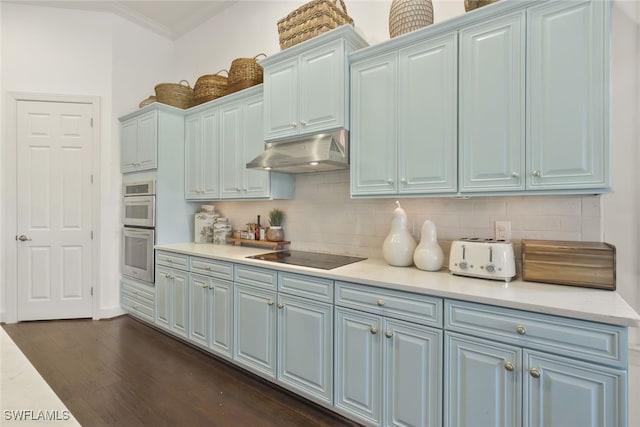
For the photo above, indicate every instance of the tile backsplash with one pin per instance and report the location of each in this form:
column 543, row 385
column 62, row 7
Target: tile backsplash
column 323, row 217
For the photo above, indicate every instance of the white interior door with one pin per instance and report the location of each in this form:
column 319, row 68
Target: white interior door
column 54, row 210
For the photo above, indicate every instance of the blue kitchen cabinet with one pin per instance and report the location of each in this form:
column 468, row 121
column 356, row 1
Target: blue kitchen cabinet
column 241, row 140
column 306, row 86
column 199, row 309
column 388, row 356
column 139, row 142
column 505, row 367
column 172, row 288
column 404, row 118
column 305, row 336
column 568, row 91
column 491, row 135
column 202, row 154
column 138, row 298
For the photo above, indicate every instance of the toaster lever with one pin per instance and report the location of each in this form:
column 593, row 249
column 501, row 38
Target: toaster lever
column 490, row 254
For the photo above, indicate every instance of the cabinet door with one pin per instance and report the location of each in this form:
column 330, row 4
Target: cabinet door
column 373, row 126
column 221, row 315
column 231, row 150
column 568, row 93
column 199, row 308
column 256, row 182
column 255, row 329
column 427, row 117
column 413, row 375
column 305, row 346
column 180, row 302
column 163, row 297
column 148, row 141
column 281, row 100
column 561, row 392
column 210, row 155
column 358, row 370
column 492, row 100
column 193, row 157
column 483, row 383
column 322, row 88
column 128, row 145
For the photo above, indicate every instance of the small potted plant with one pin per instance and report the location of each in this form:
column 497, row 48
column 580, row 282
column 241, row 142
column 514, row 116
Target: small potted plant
column 275, row 232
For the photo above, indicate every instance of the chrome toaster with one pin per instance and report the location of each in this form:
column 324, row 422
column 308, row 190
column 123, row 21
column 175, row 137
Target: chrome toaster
column 483, row 258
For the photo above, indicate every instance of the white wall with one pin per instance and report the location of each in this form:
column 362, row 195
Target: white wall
column 70, row 52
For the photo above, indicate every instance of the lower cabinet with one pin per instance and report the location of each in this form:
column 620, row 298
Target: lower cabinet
column 513, row 383
column 172, row 300
column 388, row 371
column 138, row 298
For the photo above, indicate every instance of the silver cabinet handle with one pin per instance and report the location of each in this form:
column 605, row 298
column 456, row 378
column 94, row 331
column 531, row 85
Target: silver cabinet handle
column 373, row 330
column 294, row 124
column 509, row 366
column 515, row 175
column 280, row 305
column 23, row 238
column 403, row 180
column 270, row 302
column 390, row 181
column 536, row 173
column 388, row 334
column 303, row 123
column 380, row 302
column 521, row 330
column 534, row 372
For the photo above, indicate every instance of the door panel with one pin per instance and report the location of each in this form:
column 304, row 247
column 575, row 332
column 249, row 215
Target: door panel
column 54, row 210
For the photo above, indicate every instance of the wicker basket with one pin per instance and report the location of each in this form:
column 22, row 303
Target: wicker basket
column 210, row 87
column 244, row 73
column 409, row 15
column 310, row 20
column 474, row 4
column 149, row 100
column 175, row 94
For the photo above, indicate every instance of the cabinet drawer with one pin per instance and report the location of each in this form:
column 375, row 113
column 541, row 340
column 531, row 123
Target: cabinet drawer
column 582, row 339
column 137, row 308
column 408, row 306
column 306, row 286
column 137, row 292
column 171, row 259
column 209, row 267
column 255, row 276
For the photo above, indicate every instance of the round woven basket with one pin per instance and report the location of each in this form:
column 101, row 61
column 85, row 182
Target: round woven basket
column 409, row 15
column 474, row 4
column 147, row 101
column 244, row 73
column 210, row 87
column 178, row 95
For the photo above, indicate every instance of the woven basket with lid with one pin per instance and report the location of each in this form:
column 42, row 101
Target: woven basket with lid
column 310, row 20
column 409, row 15
column 178, row 95
column 474, row 4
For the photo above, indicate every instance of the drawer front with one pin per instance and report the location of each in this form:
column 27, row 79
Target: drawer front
column 408, row 306
column 213, row 268
column 316, row 288
column 137, row 308
column 255, row 276
column 591, row 341
column 171, row 259
column 138, row 292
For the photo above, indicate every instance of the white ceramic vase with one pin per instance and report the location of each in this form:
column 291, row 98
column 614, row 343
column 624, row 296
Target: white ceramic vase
column 428, row 255
column 399, row 245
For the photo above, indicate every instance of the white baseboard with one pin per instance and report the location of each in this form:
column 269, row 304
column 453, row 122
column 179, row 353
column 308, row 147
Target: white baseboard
column 108, row 313
column 634, row 355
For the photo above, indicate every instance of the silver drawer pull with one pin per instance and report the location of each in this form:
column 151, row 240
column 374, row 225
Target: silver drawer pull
column 270, row 302
column 534, row 372
column 521, row 330
column 373, row 330
column 280, row 305
column 509, row 366
column 380, row 302
column 388, row 334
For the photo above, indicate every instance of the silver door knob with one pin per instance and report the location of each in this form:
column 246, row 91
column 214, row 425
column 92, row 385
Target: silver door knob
column 23, row 238
column 303, row 123
column 535, row 173
column 535, row 373
column 270, row 302
column 388, row 334
column 515, row 175
column 380, row 302
column 280, row 305
column 373, row 330
column 509, row 366
column 521, row 330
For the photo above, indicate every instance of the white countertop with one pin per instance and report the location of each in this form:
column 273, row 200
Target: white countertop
column 570, row 301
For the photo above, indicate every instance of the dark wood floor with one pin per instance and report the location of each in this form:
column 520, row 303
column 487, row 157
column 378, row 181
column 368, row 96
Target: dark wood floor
column 120, row 372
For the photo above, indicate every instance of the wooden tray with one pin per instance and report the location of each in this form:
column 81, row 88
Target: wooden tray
column 259, row 243
column 586, row 264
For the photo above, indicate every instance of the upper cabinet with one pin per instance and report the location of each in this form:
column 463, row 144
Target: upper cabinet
column 306, row 86
column 511, row 98
column 221, row 136
column 139, row 142
column 404, row 107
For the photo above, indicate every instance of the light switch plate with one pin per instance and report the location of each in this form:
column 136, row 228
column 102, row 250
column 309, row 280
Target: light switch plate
column 503, row 230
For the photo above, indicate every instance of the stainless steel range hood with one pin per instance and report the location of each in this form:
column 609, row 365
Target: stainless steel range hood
column 322, row 152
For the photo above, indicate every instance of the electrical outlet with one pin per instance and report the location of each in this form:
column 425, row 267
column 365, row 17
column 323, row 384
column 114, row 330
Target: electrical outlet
column 503, row 230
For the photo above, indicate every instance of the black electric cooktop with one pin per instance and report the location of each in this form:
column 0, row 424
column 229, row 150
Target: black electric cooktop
column 308, row 259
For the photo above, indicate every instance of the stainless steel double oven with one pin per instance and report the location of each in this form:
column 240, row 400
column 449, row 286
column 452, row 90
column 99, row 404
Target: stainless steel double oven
column 138, row 230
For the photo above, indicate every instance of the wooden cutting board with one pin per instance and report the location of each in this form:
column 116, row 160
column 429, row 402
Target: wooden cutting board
column 586, row 264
